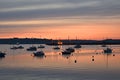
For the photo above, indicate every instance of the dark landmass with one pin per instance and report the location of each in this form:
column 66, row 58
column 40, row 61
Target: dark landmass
column 55, row 42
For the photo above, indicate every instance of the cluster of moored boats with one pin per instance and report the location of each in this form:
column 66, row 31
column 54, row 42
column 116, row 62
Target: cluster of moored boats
column 34, row 48
column 67, row 51
column 70, row 49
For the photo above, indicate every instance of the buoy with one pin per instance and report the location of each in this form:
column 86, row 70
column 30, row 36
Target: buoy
column 67, row 57
column 96, row 53
column 92, row 59
column 75, row 61
column 113, row 54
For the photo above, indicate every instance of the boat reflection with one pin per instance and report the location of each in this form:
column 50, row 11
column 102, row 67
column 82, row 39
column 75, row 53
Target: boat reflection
column 66, row 55
column 70, row 49
column 107, row 59
column 2, row 58
column 40, row 57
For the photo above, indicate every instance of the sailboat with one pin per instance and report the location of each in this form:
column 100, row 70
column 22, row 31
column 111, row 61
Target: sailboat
column 107, row 50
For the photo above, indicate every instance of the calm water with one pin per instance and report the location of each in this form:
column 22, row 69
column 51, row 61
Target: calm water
column 22, row 65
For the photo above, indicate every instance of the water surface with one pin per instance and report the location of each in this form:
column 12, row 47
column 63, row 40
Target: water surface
column 86, row 63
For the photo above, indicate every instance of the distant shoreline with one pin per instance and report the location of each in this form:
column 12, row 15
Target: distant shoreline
column 55, row 42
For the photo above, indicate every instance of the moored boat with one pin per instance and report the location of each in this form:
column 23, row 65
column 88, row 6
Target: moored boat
column 103, row 45
column 70, row 49
column 39, row 53
column 56, row 48
column 2, row 54
column 77, row 46
column 66, row 52
column 33, row 48
column 108, row 50
column 41, row 46
column 17, row 47
column 20, row 47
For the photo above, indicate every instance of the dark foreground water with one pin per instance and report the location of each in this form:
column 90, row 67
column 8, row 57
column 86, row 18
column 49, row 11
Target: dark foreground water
column 83, row 64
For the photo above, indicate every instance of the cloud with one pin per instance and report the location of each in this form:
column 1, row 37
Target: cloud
column 52, row 6
column 39, row 9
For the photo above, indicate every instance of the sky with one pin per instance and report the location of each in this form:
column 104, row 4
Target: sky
column 58, row 19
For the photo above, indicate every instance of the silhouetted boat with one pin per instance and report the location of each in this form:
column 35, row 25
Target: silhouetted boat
column 41, row 46
column 70, row 49
column 20, row 47
column 66, row 52
column 39, row 53
column 77, row 46
column 2, row 54
column 56, row 48
column 15, row 47
column 108, row 50
column 33, row 48
column 103, row 45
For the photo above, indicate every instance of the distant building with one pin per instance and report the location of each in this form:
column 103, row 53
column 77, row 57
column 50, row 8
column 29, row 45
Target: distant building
column 60, row 42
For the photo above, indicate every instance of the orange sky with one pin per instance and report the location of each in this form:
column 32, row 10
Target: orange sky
column 61, row 29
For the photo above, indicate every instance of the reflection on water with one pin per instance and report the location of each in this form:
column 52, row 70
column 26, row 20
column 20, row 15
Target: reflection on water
column 88, row 58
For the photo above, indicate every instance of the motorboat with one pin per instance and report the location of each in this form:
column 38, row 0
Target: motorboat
column 77, row 46
column 20, row 47
column 56, row 48
column 108, row 50
column 41, row 46
column 66, row 52
column 2, row 54
column 14, row 48
column 33, row 48
column 70, row 49
column 103, row 45
column 39, row 53
column 17, row 47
